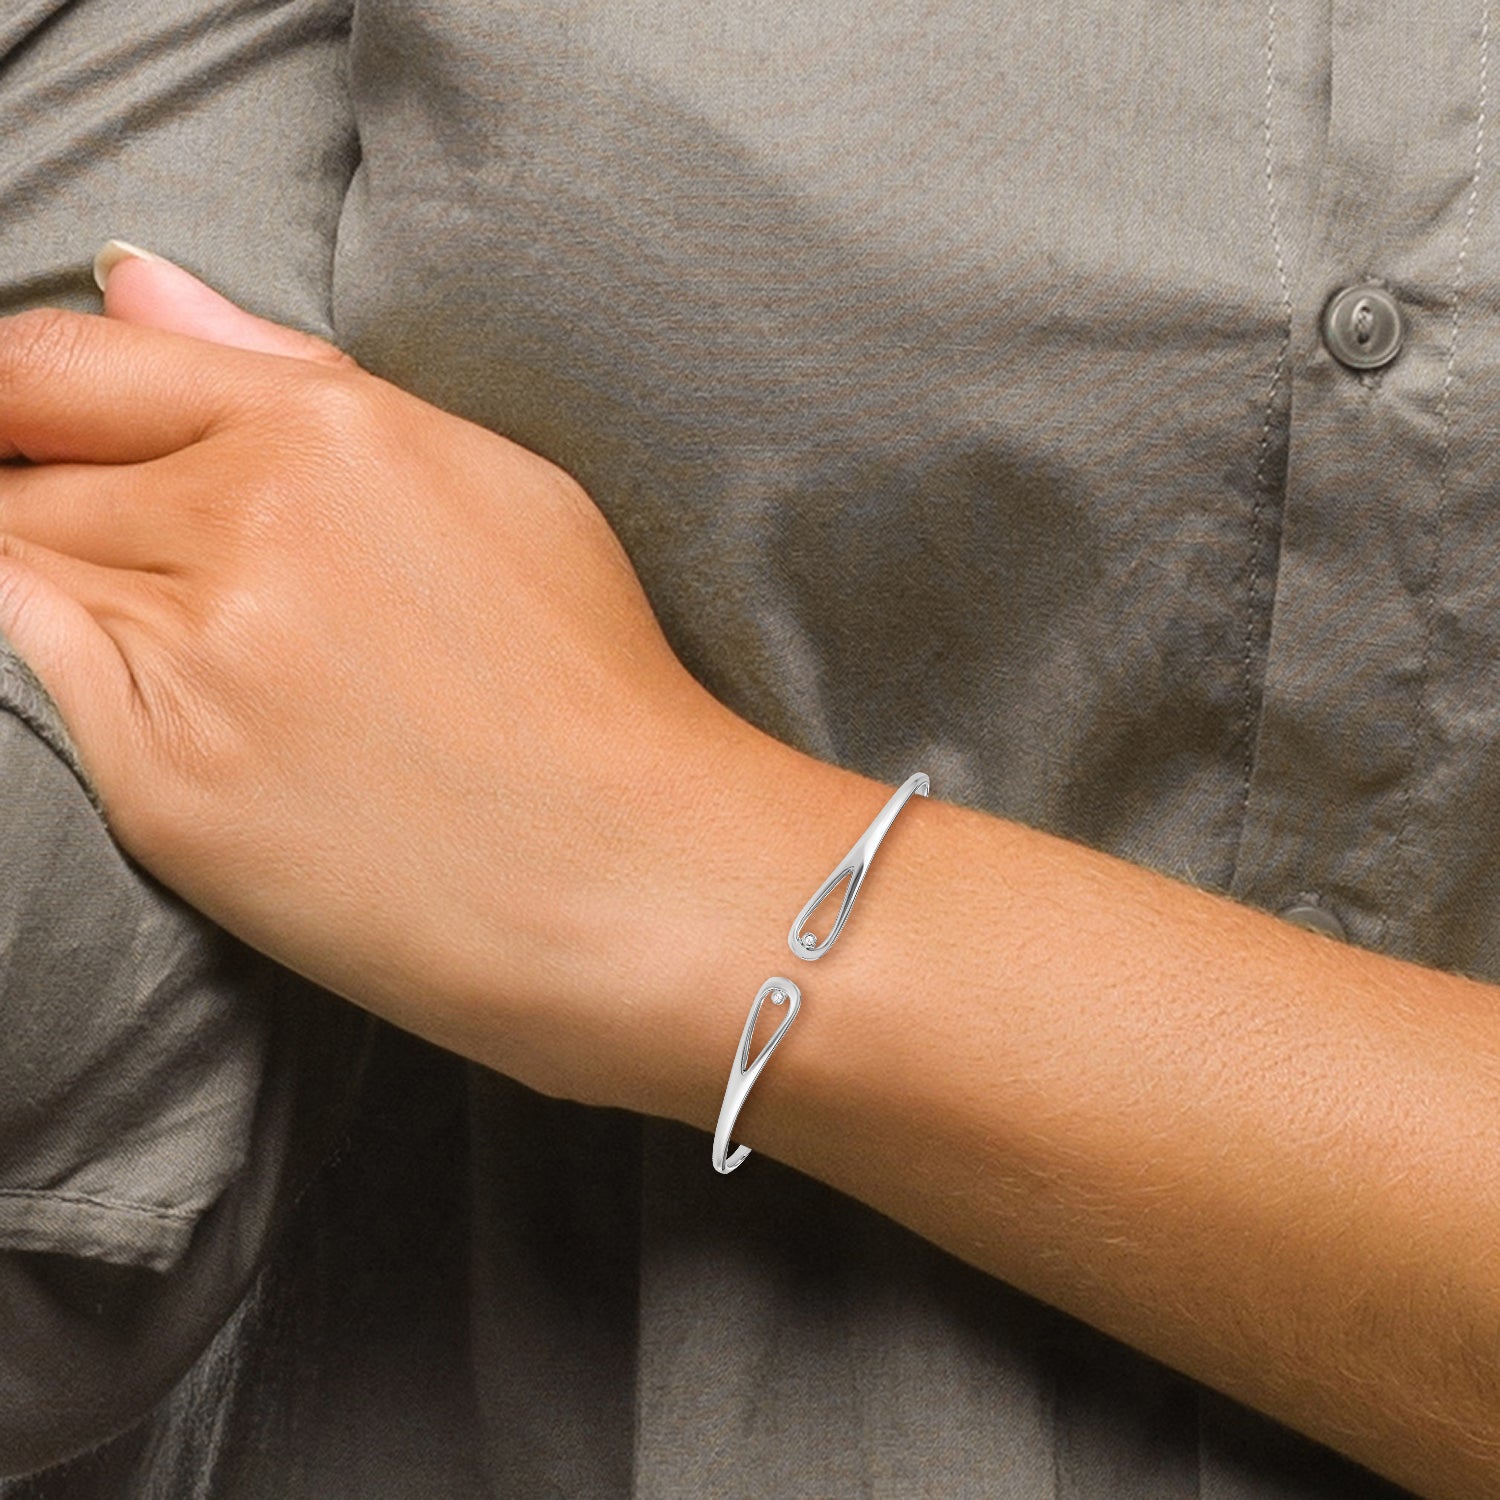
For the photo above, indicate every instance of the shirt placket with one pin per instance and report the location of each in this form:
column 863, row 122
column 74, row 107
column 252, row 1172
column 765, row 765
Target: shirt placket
column 1338, row 823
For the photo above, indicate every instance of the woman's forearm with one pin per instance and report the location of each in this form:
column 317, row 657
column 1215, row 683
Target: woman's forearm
column 1267, row 1158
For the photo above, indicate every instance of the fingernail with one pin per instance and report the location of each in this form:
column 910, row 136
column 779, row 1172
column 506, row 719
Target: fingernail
column 113, row 252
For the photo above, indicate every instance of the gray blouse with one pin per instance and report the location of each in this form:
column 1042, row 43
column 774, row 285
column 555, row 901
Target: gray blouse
column 955, row 374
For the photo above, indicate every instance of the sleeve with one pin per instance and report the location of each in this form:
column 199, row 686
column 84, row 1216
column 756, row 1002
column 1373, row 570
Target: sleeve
column 165, row 1092
column 129, row 1064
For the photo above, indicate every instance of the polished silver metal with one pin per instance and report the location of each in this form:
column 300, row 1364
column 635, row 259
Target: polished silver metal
column 852, row 868
column 743, row 1074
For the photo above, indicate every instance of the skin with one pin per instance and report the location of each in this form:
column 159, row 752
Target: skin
column 380, row 692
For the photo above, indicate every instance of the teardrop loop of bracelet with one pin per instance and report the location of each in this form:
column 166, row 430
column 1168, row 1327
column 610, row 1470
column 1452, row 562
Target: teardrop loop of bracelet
column 806, row 945
column 743, row 1073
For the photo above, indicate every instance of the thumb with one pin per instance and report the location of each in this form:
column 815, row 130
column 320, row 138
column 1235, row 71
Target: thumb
column 140, row 287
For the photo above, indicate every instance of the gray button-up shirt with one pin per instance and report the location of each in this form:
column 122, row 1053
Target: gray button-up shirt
column 955, row 375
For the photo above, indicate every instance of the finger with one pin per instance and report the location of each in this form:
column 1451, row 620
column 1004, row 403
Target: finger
column 78, row 386
column 45, row 615
column 144, row 289
column 100, row 591
column 100, row 514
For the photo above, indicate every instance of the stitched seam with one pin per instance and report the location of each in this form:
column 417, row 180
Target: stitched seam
column 1402, row 861
column 82, row 1200
column 1257, row 507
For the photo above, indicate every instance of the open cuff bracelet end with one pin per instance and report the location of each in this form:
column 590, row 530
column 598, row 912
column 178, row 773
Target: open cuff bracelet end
column 807, row 946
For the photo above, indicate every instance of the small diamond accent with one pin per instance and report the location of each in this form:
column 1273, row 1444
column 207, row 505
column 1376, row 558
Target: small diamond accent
column 777, row 996
column 809, row 940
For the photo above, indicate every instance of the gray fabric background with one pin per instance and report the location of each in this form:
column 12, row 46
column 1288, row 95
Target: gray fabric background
column 951, row 374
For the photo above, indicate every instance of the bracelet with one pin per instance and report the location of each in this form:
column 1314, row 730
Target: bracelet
column 806, row 945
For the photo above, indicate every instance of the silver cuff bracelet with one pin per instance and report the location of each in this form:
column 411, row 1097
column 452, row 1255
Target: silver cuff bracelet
column 781, row 991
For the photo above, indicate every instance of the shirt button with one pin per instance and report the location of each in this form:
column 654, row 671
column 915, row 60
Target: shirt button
column 1363, row 327
column 1314, row 919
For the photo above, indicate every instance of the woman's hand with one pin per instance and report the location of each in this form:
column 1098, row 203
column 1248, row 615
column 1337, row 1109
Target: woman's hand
column 373, row 687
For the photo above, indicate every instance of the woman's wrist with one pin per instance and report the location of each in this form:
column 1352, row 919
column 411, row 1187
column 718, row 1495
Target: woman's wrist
column 747, row 831
column 688, row 856
column 754, row 851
